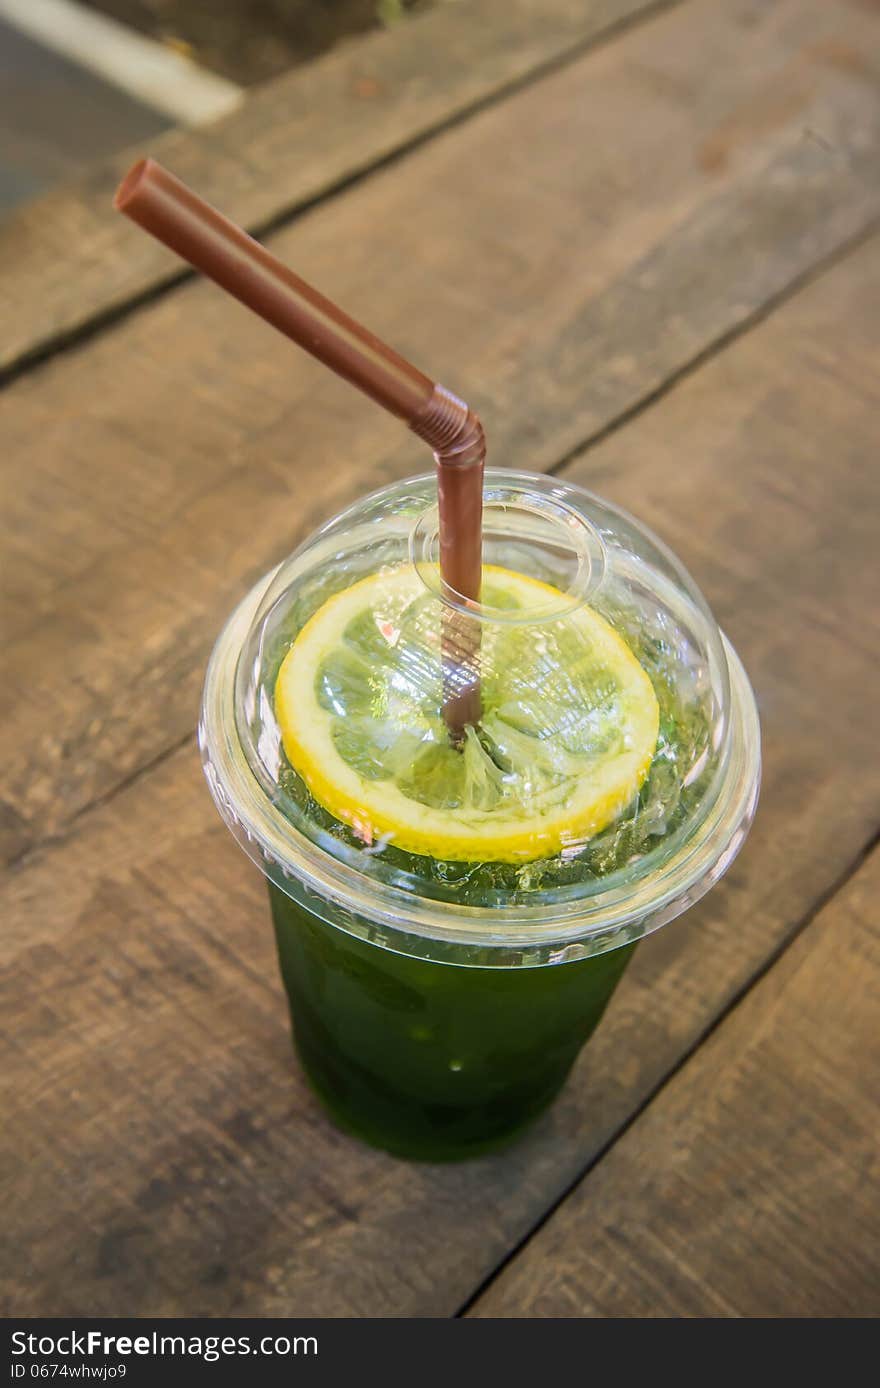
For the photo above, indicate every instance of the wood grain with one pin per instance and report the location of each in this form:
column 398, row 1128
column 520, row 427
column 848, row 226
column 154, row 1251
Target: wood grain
column 163, row 1154
column 749, row 1187
column 149, row 477
column 67, row 258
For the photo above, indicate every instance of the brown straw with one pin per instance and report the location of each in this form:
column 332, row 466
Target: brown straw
column 175, row 215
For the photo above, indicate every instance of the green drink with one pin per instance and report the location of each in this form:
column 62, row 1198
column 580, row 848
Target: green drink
column 452, row 917
column 426, row 1059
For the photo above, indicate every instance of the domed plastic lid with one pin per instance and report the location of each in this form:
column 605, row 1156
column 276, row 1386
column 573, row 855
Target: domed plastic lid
column 609, row 780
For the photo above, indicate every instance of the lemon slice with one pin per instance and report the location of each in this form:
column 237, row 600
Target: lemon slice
column 567, row 734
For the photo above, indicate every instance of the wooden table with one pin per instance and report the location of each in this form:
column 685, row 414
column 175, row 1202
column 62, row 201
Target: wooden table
column 644, row 239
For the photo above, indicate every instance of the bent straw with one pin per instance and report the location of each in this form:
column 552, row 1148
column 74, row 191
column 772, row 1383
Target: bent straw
column 175, row 215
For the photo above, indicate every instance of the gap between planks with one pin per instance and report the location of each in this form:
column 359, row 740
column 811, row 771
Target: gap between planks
column 714, row 1025
column 805, row 903
column 32, row 852
column 718, row 345
column 84, row 328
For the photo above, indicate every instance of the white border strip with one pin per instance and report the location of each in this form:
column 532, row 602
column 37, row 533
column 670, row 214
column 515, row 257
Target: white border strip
column 141, row 67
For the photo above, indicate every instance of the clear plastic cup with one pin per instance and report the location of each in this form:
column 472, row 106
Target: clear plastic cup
column 446, row 963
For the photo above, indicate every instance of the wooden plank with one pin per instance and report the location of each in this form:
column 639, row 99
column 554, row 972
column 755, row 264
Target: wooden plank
column 67, row 258
column 748, row 1188
column 150, row 477
column 164, row 1155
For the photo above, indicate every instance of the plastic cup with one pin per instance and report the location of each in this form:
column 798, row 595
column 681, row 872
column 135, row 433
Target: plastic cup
column 438, row 1003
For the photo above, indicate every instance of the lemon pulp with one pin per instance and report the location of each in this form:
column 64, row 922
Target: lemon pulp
column 567, row 734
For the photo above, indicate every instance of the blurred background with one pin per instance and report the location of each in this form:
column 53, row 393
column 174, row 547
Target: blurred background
column 81, row 79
